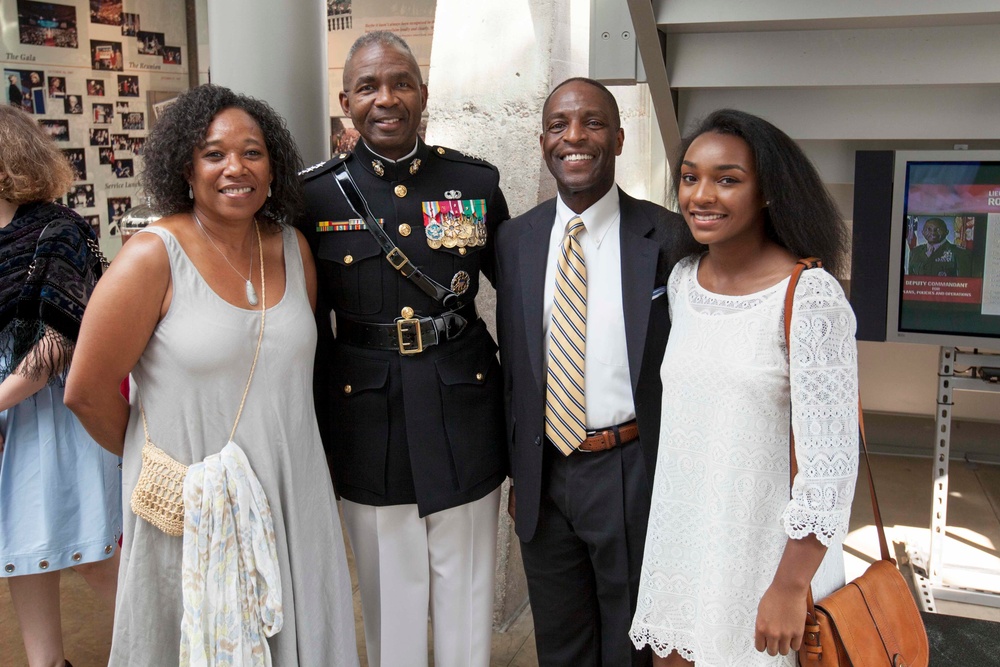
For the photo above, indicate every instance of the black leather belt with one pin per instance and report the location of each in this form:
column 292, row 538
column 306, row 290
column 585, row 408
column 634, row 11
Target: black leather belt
column 407, row 335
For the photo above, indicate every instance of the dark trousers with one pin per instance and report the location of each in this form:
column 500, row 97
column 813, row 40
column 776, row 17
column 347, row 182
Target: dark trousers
column 584, row 560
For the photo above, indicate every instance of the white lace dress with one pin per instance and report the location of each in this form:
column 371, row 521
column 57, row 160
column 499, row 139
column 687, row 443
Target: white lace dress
column 720, row 513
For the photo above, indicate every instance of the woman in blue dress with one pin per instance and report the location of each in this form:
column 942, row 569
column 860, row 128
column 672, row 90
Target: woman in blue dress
column 60, row 493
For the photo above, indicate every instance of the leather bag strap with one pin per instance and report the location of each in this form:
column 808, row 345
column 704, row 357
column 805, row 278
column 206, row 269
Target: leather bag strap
column 883, row 544
column 396, row 258
column 256, row 352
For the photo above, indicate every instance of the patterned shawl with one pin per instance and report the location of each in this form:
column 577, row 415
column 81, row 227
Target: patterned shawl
column 49, row 264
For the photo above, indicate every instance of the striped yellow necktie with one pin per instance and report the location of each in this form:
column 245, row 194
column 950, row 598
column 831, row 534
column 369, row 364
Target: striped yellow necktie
column 565, row 403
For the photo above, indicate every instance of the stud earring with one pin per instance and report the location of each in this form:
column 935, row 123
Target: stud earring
column 190, row 192
column 269, row 191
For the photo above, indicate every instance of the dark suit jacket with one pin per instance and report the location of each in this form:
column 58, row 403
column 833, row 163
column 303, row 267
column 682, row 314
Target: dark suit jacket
column 649, row 235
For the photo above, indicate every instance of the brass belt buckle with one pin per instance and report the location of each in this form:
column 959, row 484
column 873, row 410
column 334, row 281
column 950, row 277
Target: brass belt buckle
column 408, row 335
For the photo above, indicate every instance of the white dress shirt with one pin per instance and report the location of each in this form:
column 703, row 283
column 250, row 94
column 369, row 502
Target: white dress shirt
column 608, row 389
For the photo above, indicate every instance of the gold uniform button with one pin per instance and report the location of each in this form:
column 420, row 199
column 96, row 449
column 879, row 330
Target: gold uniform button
column 404, row 229
column 348, row 259
column 440, row 151
column 400, row 191
column 407, row 313
column 479, row 377
column 462, row 251
column 347, row 389
column 342, row 156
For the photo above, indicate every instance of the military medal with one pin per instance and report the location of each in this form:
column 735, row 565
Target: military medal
column 460, row 282
column 434, row 231
column 454, row 223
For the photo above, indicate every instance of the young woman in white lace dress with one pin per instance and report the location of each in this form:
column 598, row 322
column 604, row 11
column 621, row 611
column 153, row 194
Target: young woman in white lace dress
column 728, row 556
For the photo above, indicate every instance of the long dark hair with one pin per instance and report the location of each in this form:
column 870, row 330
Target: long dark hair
column 800, row 215
column 169, row 150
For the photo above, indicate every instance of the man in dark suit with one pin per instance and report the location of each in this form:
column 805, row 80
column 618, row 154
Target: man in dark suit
column 409, row 393
column 582, row 495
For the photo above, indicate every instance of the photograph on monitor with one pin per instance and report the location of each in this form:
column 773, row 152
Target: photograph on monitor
column 950, row 249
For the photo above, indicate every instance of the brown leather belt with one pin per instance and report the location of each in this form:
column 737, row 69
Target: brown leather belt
column 599, row 441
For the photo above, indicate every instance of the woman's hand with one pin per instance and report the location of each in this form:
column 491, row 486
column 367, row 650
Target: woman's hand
column 781, row 614
column 781, row 617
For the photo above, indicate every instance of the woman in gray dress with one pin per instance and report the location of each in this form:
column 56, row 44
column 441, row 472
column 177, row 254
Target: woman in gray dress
column 180, row 309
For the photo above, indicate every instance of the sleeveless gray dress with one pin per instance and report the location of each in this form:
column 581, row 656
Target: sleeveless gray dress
column 191, row 377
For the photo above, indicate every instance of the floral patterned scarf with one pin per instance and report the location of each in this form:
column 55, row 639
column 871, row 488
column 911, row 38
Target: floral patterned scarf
column 49, row 264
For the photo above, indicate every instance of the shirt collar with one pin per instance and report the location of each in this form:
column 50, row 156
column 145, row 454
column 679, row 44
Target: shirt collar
column 416, row 144
column 598, row 219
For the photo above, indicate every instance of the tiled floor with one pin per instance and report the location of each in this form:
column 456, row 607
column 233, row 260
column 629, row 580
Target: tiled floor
column 904, row 490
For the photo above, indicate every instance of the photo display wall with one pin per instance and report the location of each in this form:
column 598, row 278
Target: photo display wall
column 95, row 73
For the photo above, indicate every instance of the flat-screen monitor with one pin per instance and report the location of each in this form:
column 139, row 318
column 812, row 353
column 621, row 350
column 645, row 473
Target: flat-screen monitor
column 944, row 249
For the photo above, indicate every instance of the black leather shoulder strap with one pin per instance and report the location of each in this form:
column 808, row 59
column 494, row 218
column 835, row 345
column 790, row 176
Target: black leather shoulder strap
column 393, row 254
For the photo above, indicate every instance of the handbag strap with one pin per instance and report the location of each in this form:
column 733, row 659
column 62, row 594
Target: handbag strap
column 256, row 354
column 393, row 254
column 793, row 280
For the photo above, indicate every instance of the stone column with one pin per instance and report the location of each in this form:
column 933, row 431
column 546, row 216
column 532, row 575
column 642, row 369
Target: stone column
column 492, row 65
column 276, row 51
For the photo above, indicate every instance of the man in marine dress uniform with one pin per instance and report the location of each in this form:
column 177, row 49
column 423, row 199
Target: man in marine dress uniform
column 939, row 256
column 409, row 390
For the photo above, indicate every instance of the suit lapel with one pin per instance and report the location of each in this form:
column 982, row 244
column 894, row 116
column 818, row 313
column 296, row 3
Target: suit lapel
column 639, row 255
column 534, row 252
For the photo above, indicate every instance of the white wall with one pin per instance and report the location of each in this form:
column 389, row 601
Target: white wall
column 843, row 76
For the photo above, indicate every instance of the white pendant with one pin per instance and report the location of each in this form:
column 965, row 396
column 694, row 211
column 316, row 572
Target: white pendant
column 251, row 294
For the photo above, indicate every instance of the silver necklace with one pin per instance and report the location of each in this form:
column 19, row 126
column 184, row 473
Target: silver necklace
column 251, row 292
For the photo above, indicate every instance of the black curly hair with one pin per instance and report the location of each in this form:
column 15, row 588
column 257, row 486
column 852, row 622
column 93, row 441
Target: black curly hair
column 169, row 150
column 801, row 215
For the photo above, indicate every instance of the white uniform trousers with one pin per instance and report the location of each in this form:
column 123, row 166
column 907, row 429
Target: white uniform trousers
column 443, row 564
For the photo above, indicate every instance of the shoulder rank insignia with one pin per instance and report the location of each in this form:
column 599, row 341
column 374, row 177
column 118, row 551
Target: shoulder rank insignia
column 455, row 223
column 312, row 168
column 352, row 225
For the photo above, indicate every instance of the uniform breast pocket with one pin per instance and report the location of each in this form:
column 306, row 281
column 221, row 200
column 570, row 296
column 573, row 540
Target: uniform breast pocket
column 350, row 265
